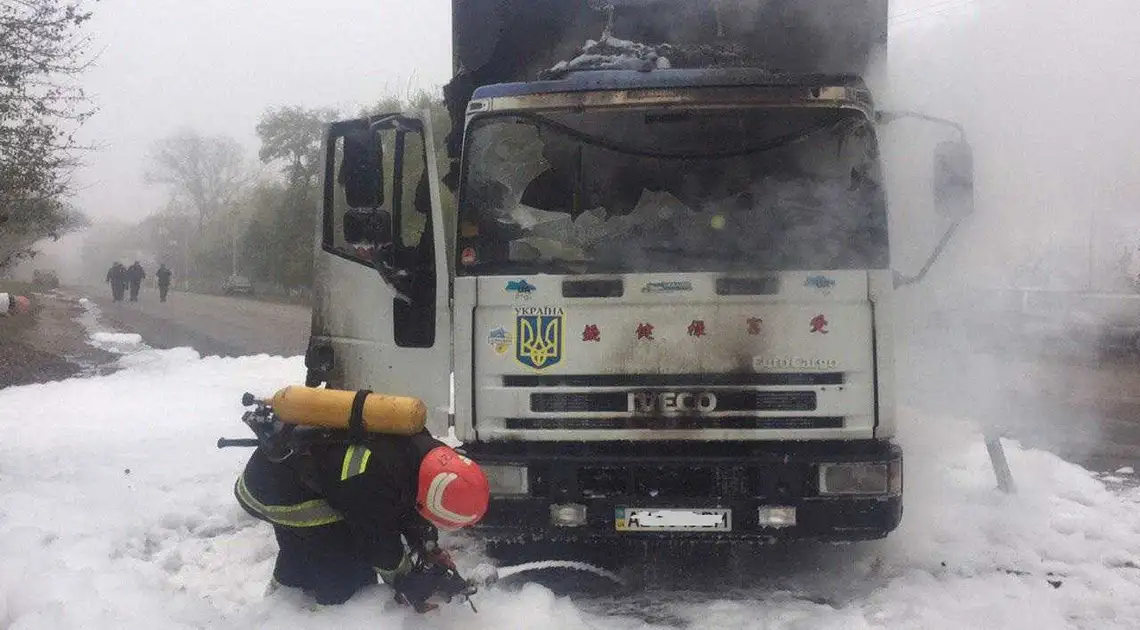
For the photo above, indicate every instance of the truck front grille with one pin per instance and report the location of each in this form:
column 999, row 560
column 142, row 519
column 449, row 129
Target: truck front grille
column 665, row 423
column 578, row 402
column 668, row 482
column 732, row 379
column 620, row 402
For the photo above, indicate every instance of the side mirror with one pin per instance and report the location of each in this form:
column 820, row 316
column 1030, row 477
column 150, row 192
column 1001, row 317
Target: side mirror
column 361, row 172
column 367, row 226
column 954, row 179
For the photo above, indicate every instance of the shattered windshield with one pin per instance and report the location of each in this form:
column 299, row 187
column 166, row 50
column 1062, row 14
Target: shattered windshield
column 639, row 190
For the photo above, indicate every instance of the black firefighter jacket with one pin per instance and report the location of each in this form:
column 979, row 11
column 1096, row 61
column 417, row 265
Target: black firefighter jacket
column 371, row 487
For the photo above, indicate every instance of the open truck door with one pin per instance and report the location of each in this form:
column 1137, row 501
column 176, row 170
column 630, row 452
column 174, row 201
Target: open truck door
column 381, row 316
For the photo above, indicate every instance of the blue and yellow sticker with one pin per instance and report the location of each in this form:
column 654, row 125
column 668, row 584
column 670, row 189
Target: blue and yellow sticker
column 619, row 519
column 520, row 288
column 539, row 336
column 500, row 340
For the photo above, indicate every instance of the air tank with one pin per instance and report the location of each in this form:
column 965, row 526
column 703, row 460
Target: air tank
column 331, row 408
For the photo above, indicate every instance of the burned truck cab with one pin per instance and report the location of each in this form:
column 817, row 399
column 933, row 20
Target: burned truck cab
column 650, row 286
column 672, row 307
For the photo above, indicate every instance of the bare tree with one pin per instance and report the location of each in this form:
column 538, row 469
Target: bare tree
column 41, row 108
column 293, row 137
column 207, row 173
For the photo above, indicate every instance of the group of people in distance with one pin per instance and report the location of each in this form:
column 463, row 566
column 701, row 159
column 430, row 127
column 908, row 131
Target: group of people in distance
column 120, row 278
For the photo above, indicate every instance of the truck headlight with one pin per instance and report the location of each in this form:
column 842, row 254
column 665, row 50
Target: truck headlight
column 506, row 480
column 859, row 478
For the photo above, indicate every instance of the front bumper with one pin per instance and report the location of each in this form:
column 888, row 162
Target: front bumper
column 605, row 478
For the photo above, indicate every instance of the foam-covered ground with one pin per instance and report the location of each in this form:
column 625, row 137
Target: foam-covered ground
column 117, row 513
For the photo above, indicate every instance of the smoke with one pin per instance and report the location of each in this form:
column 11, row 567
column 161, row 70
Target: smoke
column 1042, row 89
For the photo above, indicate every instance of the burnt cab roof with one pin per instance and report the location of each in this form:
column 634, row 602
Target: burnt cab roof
column 615, row 80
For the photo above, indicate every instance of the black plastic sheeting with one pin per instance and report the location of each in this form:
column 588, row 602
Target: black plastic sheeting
column 500, row 41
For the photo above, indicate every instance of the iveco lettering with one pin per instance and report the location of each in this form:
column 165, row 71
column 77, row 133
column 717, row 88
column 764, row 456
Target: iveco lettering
column 671, row 401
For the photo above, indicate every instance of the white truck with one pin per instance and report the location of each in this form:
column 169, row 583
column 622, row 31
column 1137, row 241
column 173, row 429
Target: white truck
column 663, row 295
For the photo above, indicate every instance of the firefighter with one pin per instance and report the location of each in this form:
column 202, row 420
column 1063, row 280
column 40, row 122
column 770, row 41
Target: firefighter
column 339, row 511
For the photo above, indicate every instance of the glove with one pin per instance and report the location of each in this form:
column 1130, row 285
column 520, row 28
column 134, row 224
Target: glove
column 414, row 588
column 417, row 586
column 435, row 555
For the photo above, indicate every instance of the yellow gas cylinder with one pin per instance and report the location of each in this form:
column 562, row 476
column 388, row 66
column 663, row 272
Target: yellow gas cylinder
column 331, row 408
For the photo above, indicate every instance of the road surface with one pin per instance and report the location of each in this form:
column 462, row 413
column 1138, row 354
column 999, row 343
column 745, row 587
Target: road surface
column 1086, row 411
column 212, row 325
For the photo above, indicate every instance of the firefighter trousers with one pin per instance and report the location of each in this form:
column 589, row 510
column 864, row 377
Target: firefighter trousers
column 317, row 550
column 322, row 561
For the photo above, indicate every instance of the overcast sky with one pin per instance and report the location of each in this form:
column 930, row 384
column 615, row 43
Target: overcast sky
column 1036, row 83
column 215, row 65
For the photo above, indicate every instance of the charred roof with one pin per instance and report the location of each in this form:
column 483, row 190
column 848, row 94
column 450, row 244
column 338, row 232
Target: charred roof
column 599, row 80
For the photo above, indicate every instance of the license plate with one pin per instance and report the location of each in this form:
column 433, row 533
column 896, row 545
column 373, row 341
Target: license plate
column 672, row 520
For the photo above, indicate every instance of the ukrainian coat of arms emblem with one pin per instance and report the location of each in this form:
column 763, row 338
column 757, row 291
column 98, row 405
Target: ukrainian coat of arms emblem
column 538, row 336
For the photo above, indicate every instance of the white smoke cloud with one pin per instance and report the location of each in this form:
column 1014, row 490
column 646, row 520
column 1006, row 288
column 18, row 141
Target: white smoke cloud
column 1043, row 89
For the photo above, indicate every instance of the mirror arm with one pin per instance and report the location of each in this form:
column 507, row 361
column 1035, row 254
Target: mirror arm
column 382, row 122
column 888, row 117
column 903, row 281
column 394, row 121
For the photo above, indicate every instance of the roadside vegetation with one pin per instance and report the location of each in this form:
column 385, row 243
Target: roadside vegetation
column 229, row 212
column 43, row 51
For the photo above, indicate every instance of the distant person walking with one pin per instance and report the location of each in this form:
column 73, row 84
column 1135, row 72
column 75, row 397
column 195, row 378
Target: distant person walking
column 163, row 275
column 117, row 277
column 135, row 274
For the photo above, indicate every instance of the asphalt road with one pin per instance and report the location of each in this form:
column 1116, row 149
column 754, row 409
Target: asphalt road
column 212, row 325
column 1086, row 411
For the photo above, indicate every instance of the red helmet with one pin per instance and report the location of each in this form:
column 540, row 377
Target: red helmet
column 453, row 491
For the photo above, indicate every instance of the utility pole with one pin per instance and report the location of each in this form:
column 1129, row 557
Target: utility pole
column 1092, row 241
column 233, row 256
column 234, row 246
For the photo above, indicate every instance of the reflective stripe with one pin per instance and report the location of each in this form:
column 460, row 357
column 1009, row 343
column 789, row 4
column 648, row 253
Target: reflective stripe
column 435, row 500
column 308, row 514
column 391, row 574
column 355, row 461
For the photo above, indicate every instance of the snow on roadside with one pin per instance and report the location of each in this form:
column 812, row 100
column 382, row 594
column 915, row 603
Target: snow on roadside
column 101, row 337
column 119, row 343
column 118, row 513
column 106, row 479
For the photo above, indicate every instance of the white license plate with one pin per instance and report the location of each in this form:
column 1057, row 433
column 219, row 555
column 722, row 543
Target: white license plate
column 672, row 520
